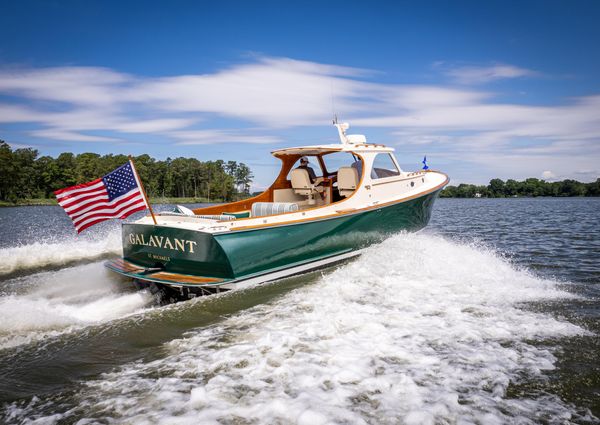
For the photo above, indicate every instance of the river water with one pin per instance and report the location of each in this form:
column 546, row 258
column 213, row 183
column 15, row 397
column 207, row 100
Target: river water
column 490, row 315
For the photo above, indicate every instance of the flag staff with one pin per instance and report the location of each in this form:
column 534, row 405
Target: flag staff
column 142, row 187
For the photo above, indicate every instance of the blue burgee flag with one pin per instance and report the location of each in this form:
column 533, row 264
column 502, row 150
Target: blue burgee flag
column 425, row 167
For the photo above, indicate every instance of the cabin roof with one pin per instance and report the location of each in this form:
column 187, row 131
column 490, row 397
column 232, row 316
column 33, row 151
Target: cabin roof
column 321, row 149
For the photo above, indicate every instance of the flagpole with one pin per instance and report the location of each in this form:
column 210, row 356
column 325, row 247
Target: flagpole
column 142, row 187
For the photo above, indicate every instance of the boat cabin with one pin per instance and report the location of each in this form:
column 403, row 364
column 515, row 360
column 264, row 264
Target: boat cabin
column 314, row 177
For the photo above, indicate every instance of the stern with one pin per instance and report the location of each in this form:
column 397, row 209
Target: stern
column 173, row 250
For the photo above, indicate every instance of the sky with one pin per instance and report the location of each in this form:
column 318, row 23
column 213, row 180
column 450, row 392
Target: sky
column 494, row 89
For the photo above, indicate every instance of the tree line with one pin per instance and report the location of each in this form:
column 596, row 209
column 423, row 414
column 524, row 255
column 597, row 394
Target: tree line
column 25, row 175
column 529, row 187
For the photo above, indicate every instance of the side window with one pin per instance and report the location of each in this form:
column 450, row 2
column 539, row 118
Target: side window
column 383, row 166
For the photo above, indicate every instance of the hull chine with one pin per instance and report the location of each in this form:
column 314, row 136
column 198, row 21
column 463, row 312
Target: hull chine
column 132, row 270
column 180, row 287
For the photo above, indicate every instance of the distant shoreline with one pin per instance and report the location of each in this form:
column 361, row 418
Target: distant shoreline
column 528, row 188
column 520, row 197
column 153, row 201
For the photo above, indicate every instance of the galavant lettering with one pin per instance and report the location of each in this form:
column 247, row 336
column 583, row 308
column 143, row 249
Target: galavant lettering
column 162, row 242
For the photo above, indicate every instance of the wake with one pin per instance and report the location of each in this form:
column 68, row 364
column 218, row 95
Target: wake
column 51, row 304
column 37, row 256
column 418, row 330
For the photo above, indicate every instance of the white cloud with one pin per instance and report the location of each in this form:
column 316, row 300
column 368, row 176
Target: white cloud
column 71, row 136
column 71, row 85
column 485, row 74
column 270, row 94
column 14, row 114
column 204, row 137
column 479, row 126
column 277, row 93
column 548, row 175
column 152, row 126
column 412, row 96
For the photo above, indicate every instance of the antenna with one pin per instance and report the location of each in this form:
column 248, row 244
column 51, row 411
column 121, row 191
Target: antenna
column 333, row 105
column 340, row 127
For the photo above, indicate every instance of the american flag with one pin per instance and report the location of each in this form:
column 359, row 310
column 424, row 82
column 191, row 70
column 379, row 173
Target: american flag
column 116, row 195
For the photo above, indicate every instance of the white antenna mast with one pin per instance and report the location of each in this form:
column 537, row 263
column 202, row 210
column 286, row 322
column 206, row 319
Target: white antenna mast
column 341, row 127
column 342, row 131
column 333, row 104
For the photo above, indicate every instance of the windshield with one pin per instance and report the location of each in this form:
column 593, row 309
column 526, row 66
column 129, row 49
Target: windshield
column 334, row 161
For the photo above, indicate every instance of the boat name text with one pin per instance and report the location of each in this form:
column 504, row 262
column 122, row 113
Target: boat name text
column 164, row 242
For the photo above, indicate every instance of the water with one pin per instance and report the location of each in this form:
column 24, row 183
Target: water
column 491, row 315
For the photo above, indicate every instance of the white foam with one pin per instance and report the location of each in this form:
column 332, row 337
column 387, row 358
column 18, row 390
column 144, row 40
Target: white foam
column 419, row 330
column 59, row 302
column 38, row 255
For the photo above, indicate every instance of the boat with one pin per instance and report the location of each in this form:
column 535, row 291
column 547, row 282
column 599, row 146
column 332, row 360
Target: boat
column 350, row 195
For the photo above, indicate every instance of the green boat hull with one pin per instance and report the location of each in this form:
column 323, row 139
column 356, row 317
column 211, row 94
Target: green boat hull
column 243, row 254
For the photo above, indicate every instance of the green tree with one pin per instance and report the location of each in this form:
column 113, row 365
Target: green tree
column 571, row 188
column 243, row 178
column 47, row 174
column 87, row 167
column 8, row 171
column 496, row 188
column 25, row 178
column 593, row 189
column 67, row 168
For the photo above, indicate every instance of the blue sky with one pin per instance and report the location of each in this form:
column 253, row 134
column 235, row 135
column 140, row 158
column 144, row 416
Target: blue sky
column 485, row 89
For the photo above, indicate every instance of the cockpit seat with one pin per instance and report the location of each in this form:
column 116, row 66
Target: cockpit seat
column 303, row 186
column 261, row 209
column 347, row 180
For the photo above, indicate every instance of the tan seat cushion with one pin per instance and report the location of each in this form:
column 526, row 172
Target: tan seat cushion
column 347, row 178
